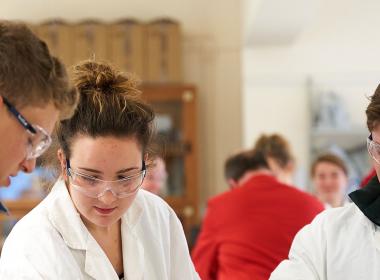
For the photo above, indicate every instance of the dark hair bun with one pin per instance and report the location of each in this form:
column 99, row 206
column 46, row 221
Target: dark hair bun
column 100, row 78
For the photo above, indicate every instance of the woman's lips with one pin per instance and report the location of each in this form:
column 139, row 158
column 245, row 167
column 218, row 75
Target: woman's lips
column 104, row 211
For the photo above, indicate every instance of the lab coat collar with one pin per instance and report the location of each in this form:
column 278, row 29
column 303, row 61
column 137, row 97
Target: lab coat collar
column 367, row 200
column 64, row 217
column 133, row 253
column 67, row 221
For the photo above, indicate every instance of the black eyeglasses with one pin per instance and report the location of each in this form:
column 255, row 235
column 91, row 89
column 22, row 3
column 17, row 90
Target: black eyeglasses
column 40, row 139
column 19, row 117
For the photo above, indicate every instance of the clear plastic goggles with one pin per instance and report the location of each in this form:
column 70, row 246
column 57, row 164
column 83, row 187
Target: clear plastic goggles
column 39, row 140
column 38, row 143
column 96, row 188
column 373, row 149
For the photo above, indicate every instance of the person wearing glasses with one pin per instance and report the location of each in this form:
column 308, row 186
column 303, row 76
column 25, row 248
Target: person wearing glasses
column 343, row 243
column 34, row 94
column 97, row 222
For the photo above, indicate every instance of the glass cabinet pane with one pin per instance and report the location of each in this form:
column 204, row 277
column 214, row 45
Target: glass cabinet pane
column 169, row 127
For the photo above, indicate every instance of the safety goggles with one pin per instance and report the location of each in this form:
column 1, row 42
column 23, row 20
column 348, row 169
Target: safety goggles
column 373, row 149
column 96, row 188
column 39, row 140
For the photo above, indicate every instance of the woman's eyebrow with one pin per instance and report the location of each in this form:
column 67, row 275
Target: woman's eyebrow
column 100, row 172
column 90, row 170
column 127, row 169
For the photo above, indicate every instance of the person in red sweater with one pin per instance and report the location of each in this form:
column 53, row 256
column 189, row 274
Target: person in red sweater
column 367, row 178
column 248, row 230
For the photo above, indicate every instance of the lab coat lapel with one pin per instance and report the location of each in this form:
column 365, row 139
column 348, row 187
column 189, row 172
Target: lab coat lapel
column 65, row 218
column 67, row 221
column 97, row 264
column 133, row 250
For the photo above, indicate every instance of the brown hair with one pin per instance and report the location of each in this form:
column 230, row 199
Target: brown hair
column 276, row 147
column 238, row 164
column 329, row 158
column 29, row 75
column 109, row 106
column 373, row 110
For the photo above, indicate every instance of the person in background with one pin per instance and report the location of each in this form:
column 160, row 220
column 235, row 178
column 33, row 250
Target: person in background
column 155, row 180
column 235, row 168
column 343, row 243
column 368, row 177
column 34, row 94
column 329, row 174
column 247, row 231
column 96, row 222
column 278, row 155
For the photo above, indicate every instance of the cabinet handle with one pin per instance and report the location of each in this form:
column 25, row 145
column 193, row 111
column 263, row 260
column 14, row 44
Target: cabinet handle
column 187, row 96
column 188, row 211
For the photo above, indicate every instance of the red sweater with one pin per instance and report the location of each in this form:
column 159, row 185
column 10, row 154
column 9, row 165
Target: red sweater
column 248, row 231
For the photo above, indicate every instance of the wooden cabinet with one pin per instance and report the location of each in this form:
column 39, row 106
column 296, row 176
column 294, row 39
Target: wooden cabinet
column 175, row 108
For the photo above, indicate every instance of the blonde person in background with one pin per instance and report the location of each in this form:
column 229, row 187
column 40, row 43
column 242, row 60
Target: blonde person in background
column 156, row 176
column 343, row 243
column 329, row 174
column 34, row 94
column 96, row 223
column 278, row 155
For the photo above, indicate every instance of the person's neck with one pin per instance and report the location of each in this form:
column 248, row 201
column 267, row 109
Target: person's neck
column 249, row 174
column 110, row 240
column 332, row 201
column 285, row 178
column 99, row 230
column 335, row 202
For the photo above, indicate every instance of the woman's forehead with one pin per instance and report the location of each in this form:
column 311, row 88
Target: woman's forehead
column 110, row 150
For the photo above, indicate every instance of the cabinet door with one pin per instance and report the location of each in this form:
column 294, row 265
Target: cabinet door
column 90, row 41
column 175, row 108
column 58, row 36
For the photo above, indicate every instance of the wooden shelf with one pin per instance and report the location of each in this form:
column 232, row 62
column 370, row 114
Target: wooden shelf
column 18, row 208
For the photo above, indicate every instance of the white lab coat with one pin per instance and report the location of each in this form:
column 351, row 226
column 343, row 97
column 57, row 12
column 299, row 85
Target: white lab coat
column 51, row 242
column 340, row 244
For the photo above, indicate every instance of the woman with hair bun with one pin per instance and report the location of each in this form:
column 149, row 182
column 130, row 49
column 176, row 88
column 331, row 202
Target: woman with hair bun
column 277, row 153
column 97, row 223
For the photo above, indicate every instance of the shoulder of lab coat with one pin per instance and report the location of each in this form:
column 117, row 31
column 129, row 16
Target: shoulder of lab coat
column 160, row 219
column 35, row 249
column 325, row 249
column 41, row 245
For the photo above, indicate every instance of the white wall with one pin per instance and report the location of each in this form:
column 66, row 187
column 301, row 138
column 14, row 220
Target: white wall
column 339, row 49
column 212, row 47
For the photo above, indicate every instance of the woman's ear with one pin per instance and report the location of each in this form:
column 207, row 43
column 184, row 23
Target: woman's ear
column 62, row 162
